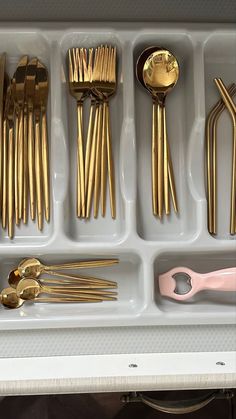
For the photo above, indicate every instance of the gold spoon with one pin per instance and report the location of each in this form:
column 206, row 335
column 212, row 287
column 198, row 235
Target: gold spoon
column 29, row 289
column 33, row 267
column 9, row 299
column 63, row 286
column 160, row 75
column 14, row 278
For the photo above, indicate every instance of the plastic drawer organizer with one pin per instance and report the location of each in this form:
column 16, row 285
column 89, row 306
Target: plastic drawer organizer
column 145, row 246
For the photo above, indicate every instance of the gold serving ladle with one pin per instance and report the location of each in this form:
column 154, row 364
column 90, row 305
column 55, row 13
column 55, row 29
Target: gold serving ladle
column 29, row 289
column 33, row 267
column 160, row 75
column 83, row 281
column 9, row 299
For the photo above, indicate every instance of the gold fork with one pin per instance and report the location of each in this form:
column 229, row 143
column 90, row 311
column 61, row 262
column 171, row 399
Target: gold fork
column 79, row 86
column 105, row 87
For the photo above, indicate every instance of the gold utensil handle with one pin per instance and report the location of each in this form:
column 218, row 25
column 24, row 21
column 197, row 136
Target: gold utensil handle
column 82, row 279
column 104, row 163
column 89, row 143
column 31, row 163
column 160, row 168
column 75, row 290
column 81, row 284
column 172, row 181
column 25, row 184
column 154, row 158
column 98, row 161
column 21, row 161
column 66, row 300
column 92, row 165
column 110, row 165
column 233, row 187
column 38, row 171
column 45, row 166
column 16, row 187
column 11, row 183
column 165, row 163
column 4, row 187
column 55, row 291
column 82, row 264
column 80, row 163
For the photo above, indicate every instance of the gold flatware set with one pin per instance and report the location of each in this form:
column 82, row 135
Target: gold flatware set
column 92, row 73
column 24, row 161
column 157, row 70
column 26, row 284
column 227, row 102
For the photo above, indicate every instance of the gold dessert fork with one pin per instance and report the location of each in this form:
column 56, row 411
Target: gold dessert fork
column 105, row 86
column 79, row 87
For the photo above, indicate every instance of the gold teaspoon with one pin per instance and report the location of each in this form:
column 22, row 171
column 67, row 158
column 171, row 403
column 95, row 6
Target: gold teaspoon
column 33, row 267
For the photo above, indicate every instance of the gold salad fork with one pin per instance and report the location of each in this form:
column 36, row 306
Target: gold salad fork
column 101, row 157
column 79, row 85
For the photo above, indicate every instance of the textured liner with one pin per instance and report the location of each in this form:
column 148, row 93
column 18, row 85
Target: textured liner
column 118, row 340
column 145, row 246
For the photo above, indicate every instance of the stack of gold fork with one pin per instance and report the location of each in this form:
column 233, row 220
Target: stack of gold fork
column 92, row 73
column 24, row 167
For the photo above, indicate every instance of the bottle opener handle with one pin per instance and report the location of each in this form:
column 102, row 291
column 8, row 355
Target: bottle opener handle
column 222, row 280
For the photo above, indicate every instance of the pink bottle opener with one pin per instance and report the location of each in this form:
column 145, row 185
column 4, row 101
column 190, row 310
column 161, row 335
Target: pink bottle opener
column 193, row 282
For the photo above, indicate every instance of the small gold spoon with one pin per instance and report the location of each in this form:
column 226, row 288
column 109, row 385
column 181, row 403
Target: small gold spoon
column 33, row 267
column 9, row 299
column 160, row 75
column 84, row 282
column 29, row 289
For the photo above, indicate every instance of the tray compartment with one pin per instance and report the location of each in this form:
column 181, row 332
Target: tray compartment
column 130, row 279
column 220, row 61
column 206, row 304
column 100, row 229
column 16, row 44
column 181, row 112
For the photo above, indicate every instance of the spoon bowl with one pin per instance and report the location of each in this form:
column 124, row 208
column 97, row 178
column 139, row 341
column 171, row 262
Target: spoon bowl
column 141, row 61
column 14, row 278
column 160, row 72
column 10, row 299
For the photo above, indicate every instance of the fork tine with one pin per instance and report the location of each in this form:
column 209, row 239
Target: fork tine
column 84, row 64
column 95, row 75
column 105, row 63
column 90, row 64
column 75, row 73
column 70, row 66
column 101, row 61
column 109, row 64
column 113, row 66
column 79, row 64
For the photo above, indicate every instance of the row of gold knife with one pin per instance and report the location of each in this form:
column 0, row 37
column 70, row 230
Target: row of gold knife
column 24, row 165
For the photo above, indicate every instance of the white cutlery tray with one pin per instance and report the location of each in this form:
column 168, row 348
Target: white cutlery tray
column 145, row 246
